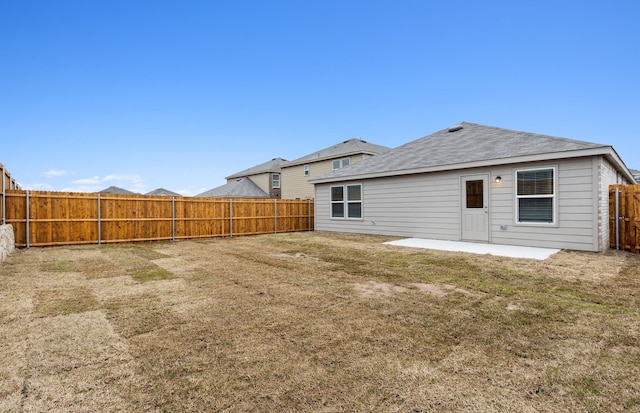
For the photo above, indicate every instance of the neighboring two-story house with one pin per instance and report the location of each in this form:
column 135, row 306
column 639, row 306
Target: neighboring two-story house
column 260, row 181
column 295, row 175
column 279, row 178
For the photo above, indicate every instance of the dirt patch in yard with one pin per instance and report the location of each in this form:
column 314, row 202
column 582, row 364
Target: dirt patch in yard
column 316, row 322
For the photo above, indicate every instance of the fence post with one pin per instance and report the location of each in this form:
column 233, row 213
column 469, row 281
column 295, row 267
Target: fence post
column 275, row 216
column 230, row 218
column 99, row 223
column 3, row 205
column 27, row 223
column 617, row 219
column 309, row 214
column 173, row 218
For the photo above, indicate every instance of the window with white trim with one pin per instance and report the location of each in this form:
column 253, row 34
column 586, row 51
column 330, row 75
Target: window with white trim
column 306, row 170
column 535, row 196
column 275, row 181
column 341, row 163
column 346, row 201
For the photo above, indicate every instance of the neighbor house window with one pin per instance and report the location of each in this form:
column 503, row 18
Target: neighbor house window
column 275, row 181
column 346, row 201
column 535, row 196
column 340, row 163
column 306, row 170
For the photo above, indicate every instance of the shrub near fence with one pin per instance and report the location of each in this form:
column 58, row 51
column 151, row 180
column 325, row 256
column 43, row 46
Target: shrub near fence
column 61, row 218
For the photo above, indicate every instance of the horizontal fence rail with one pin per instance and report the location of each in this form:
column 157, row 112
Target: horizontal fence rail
column 624, row 217
column 42, row 218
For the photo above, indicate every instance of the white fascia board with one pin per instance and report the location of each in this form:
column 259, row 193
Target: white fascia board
column 326, row 158
column 604, row 150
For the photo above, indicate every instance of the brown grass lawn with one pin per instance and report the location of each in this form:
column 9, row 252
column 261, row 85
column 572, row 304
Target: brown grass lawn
column 316, row 322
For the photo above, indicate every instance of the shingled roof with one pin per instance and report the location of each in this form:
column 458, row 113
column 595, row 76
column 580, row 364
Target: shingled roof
column 467, row 145
column 239, row 188
column 346, row 148
column 116, row 190
column 163, row 192
column 269, row 166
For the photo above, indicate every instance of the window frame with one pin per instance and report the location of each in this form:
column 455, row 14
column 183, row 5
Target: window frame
column 345, row 202
column 306, row 169
column 274, row 180
column 553, row 196
column 341, row 163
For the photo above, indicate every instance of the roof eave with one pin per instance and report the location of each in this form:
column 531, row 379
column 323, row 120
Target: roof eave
column 240, row 175
column 325, row 158
column 603, row 151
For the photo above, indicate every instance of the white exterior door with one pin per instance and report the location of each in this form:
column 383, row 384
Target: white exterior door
column 475, row 208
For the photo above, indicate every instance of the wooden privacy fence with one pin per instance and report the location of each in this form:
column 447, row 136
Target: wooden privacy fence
column 62, row 218
column 6, row 183
column 624, row 217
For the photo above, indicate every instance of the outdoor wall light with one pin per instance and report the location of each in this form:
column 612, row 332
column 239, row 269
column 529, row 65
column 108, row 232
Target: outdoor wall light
column 498, row 179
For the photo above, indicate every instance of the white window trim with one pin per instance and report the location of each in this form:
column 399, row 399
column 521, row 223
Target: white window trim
column 306, row 169
column 341, row 161
column 273, row 181
column 345, row 201
column 554, row 197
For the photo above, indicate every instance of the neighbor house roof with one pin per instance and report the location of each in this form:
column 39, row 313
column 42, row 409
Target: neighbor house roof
column 469, row 145
column 266, row 167
column 162, row 191
column 116, row 190
column 346, row 148
column 239, row 188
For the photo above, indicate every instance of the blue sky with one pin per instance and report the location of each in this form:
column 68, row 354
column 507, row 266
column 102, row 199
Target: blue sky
column 179, row 94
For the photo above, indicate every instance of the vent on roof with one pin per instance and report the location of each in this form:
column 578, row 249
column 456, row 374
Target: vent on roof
column 455, row 128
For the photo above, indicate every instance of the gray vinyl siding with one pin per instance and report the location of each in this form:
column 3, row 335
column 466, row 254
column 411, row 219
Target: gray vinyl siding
column 428, row 206
column 574, row 226
column 409, row 206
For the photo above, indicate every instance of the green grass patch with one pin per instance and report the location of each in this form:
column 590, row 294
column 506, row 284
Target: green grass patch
column 138, row 314
column 63, row 301
column 150, row 272
column 60, row 266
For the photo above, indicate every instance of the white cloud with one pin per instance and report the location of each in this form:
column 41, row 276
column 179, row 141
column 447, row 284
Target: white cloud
column 133, row 183
column 88, row 181
column 37, row 187
column 51, row 173
column 135, row 180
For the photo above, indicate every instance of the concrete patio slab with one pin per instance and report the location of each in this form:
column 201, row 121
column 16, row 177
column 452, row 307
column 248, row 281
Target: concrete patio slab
column 477, row 248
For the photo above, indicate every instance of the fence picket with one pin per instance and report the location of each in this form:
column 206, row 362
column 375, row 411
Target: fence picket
column 627, row 219
column 43, row 218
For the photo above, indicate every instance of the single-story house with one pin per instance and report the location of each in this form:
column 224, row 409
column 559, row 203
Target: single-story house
column 478, row 183
column 116, row 190
column 162, row 192
column 237, row 188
